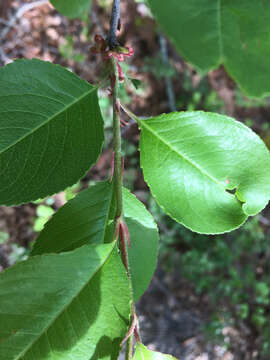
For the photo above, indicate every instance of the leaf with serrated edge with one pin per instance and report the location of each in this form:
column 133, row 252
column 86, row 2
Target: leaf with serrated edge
column 73, row 305
column 142, row 353
column 233, row 33
column 51, row 130
column 191, row 160
column 143, row 252
column 71, row 8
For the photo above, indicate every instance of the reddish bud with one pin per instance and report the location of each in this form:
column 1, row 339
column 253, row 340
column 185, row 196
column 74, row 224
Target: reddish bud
column 120, row 73
column 119, row 53
column 124, row 228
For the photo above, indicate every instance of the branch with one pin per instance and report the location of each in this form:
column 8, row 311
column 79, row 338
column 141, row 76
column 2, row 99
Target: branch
column 118, row 176
column 96, row 20
column 121, row 230
column 4, row 58
column 168, row 80
column 19, row 13
column 115, row 18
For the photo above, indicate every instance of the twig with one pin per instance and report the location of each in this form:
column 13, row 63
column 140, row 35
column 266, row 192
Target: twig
column 129, row 347
column 118, row 183
column 95, row 20
column 19, row 13
column 264, row 220
column 168, row 80
column 118, row 177
column 5, row 59
column 121, row 230
column 115, row 18
column 10, row 23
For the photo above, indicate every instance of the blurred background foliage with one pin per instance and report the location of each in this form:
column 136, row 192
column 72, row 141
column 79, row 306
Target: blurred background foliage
column 224, row 279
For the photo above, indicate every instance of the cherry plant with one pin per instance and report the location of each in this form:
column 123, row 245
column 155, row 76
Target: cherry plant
column 74, row 298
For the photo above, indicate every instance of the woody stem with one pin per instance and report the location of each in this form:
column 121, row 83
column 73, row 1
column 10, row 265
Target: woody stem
column 118, row 176
column 115, row 18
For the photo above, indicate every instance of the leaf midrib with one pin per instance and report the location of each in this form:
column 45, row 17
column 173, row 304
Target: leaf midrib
column 94, row 88
column 23, row 352
column 173, row 149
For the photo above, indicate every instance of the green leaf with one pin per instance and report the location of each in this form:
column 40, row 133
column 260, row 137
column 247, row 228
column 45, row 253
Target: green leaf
column 82, row 220
column 3, row 237
column 136, row 83
column 144, row 243
column 88, row 219
column 72, row 8
column 194, row 162
column 73, row 305
column 213, row 32
column 51, row 130
column 142, row 353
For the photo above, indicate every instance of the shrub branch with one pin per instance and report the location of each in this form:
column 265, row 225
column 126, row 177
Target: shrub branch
column 115, row 19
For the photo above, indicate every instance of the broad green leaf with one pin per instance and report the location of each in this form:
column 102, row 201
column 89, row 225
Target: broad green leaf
column 190, row 161
column 71, row 8
column 142, row 353
column 144, row 243
column 72, row 305
column 51, row 130
column 88, row 219
column 82, row 220
column 213, row 32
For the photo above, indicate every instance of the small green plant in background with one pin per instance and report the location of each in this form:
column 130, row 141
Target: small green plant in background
column 3, row 237
column 243, row 101
column 199, row 97
column 68, row 52
column 233, row 271
column 44, row 212
column 157, row 67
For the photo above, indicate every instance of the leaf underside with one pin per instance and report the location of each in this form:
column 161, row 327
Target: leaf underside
column 51, row 130
column 207, row 171
column 72, row 8
column 213, row 32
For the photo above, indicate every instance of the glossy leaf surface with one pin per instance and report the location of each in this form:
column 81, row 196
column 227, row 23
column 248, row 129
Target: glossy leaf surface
column 144, row 243
column 51, row 130
column 142, row 353
column 73, row 305
column 192, row 160
column 88, row 219
column 213, row 32
column 83, row 220
column 71, row 8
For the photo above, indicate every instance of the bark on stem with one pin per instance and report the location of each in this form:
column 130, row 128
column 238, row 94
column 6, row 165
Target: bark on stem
column 118, row 176
column 118, row 182
column 129, row 348
column 115, row 18
column 118, row 172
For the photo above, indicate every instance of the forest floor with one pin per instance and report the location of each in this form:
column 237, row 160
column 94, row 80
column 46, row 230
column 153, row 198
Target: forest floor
column 171, row 314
